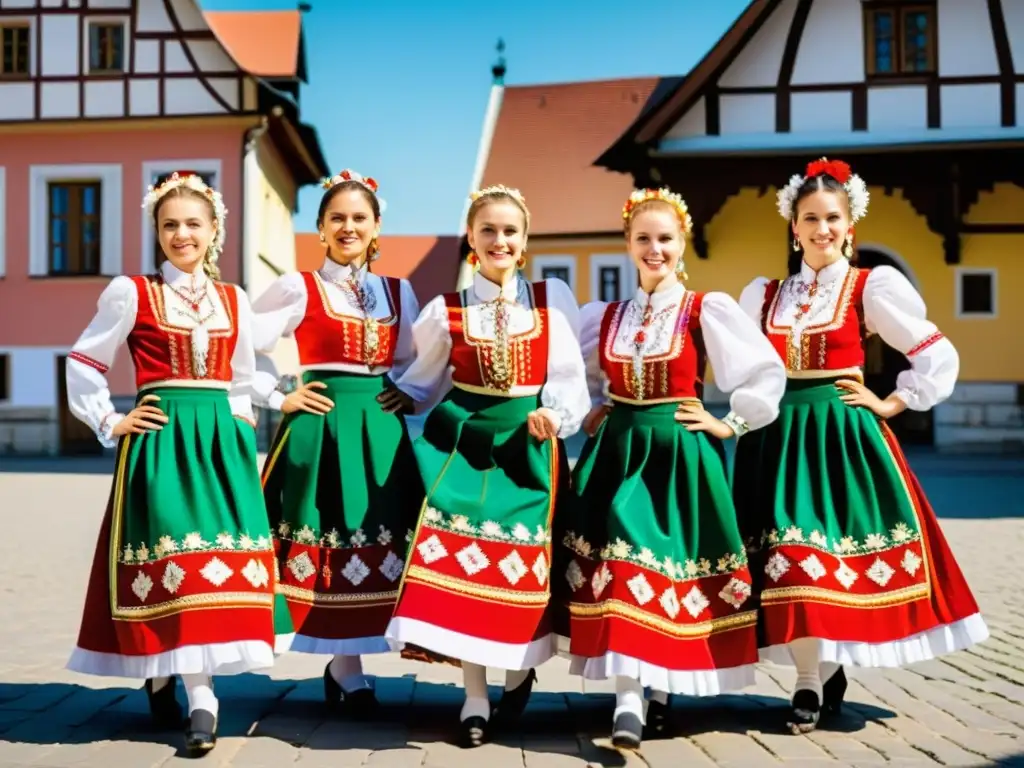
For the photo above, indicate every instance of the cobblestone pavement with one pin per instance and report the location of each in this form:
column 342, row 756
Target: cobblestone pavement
column 963, row 710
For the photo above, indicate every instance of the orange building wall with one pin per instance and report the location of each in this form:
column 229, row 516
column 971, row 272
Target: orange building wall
column 52, row 312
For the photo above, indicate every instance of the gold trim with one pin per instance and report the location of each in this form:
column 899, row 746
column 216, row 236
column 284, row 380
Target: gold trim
column 491, row 594
column 629, row 612
column 678, row 335
column 477, row 390
column 330, row 312
column 208, row 601
column 822, row 373
column 326, row 600
column 831, row 596
column 657, row 400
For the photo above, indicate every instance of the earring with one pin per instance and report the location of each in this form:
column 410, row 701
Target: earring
column 373, row 250
column 796, row 245
column 473, row 260
column 322, row 238
column 848, row 247
column 522, row 262
column 681, row 270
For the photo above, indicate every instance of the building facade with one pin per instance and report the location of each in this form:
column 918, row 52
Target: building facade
column 98, row 99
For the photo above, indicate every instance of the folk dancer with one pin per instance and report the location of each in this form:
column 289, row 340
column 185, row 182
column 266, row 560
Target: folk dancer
column 182, row 582
column 341, row 483
column 653, row 571
column 504, row 354
column 855, row 567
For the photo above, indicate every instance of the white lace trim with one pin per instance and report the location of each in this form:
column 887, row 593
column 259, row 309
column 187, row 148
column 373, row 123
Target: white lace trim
column 688, row 682
column 214, row 659
column 476, row 650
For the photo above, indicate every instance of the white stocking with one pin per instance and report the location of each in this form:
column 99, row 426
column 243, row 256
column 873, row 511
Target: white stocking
column 347, row 672
column 199, row 689
column 474, row 679
column 805, row 656
column 629, row 697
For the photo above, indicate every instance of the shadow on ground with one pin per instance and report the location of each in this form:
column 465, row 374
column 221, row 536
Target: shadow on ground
column 413, row 715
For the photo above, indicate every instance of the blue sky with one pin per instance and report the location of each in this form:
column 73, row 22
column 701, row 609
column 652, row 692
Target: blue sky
column 398, row 89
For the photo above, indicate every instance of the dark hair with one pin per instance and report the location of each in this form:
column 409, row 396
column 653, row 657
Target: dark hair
column 345, row 186
column 812, row 184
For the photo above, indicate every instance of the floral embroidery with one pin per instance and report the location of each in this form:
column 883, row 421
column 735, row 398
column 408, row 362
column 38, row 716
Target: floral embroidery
column 519, row 533
column 192, row 542
column 900, row 534
column 623, row 550
column 332, row 539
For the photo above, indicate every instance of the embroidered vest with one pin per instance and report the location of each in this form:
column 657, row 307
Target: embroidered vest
column 477, row 362
column 835, row 345
column 161, row 351
column 325, row 336
column 675, row 375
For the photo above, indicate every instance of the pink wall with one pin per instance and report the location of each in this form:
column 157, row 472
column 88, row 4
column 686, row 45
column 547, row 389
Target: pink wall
column 52, row 312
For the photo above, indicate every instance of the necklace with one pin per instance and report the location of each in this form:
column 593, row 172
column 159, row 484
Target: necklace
column 364, row 300
column 502, row 373
column 649, row 319
column 200, row 337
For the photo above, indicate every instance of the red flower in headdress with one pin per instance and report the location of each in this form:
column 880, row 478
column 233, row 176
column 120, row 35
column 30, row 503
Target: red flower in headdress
column 837, row 169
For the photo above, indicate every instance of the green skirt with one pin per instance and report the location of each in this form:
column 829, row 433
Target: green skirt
column 183, row 577
column 343, row 493
column 476, row 588
column 652, row 568
column 842, row 539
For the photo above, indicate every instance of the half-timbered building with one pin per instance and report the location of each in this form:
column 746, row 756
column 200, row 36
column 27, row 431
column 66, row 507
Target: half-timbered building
column 98, row 99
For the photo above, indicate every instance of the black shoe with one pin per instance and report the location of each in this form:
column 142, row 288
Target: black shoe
column 472, row 732
column 805, row 711
column 359, row 704
column 200, row 733
column 512, row 703
column 163, row 705
column 656, row 726
column 627, row 731
column 832, row 693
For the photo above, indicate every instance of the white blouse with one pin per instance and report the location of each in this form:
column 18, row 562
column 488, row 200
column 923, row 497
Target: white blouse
column 281, row 308
column 743, row 360
column 564, row 392
column 88, row 390
column 892, row 308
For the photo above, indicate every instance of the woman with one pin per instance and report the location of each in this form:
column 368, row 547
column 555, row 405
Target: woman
column 855, row 567
column 341, row 484
column 183, row 578
column 654, row 565
column 476, row 586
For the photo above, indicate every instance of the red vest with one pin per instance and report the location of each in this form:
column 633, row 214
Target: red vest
column 674, row 375
column 161, row 351
column 834, row 345
column 325, row 337
column 473, row 359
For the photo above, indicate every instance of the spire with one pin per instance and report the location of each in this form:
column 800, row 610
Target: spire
column 498, row 69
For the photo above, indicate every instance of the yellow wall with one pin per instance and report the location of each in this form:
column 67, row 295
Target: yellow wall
column 582, row 251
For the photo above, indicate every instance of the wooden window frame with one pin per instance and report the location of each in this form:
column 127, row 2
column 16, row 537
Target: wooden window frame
column 900, row 9
column 963, row 272
column 17, row 75
column 619, row 287
column 95, row 26
column 76, row 220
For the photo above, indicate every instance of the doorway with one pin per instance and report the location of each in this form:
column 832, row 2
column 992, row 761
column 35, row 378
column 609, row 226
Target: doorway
column 74, row 436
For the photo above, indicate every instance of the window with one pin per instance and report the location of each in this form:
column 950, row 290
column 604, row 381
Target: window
column 555, row 273
column 74, row 227
column 106, row 47
column 5, row 377
column 610, row 279
column 976, row 293
column 14, row 62
column 899, row 39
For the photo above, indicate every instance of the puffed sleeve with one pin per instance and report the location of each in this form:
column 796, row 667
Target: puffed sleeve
column 565, row 391
column 591, row 316
column 243, row 362
column 405, row 351
column 93, row 354
column 895, row 311
column 752, row 299
column 427, row 379
column 278, row 311
column 744, row 363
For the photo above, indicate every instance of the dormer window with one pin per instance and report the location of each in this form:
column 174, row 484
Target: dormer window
column 899, row 38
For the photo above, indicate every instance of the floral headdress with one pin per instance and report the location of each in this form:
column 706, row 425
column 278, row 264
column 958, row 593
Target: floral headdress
column 349, row 175
column 665, row 195
column 856, row 189
column 193, row 181
column 501, row 189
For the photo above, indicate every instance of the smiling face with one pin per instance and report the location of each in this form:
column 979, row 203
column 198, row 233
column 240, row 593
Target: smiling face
column 655, row 242
column 186, row 229
column 821, row 225
column 348, row 223
column 498, row 237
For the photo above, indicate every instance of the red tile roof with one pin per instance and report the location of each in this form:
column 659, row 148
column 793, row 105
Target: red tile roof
column 430, row 263
column 263, row 43
column 546, row 140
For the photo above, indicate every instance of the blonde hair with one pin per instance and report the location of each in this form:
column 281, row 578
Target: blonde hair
column 645, row 199
column 496, row 194
column 179, row 187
